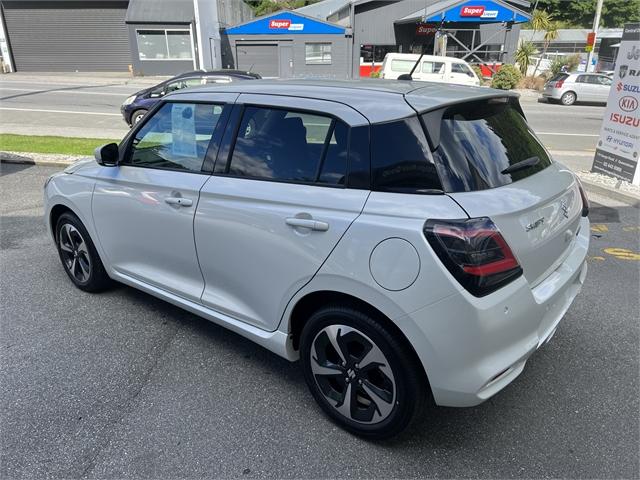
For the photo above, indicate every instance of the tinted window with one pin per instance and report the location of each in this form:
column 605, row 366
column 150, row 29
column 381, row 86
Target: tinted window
column 461, row 68
column 479, row 140
column 175, row 137
column 559, row 77
column 400, row 157
column 290, row 146
column 582, row 79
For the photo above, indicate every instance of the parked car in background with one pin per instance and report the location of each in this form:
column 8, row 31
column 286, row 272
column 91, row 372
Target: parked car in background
column 431, row 68
column 569, row 88
column 404, row 240
column 137, row 105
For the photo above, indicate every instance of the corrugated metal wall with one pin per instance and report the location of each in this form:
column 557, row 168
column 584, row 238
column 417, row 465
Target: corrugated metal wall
column 68, row 38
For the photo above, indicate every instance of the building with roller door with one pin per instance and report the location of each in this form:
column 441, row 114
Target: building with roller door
column 147, row 37
column 287, row 44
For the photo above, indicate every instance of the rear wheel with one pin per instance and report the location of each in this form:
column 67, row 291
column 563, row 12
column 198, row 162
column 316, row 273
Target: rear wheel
column 361, row 375
column 568, row 98
column 78, row 255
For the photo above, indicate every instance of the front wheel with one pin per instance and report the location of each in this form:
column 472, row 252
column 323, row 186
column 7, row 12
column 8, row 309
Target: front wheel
column 78, row 255
column 568, row 98
column 137, row 116
column 361, row 375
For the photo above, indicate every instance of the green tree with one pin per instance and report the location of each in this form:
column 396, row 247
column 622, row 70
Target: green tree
column 523, row 56
column 579, row 13
column 550, row 34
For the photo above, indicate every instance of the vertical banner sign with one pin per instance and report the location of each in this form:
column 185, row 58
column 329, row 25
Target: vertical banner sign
column 619, row 143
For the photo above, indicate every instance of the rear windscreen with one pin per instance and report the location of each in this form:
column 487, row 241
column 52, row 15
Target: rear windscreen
column 480, row 140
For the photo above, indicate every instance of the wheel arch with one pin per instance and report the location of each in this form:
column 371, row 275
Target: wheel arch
column 312, row 301
column 56, row 212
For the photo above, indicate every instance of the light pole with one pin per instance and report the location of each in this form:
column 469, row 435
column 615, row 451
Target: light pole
column 596, row 24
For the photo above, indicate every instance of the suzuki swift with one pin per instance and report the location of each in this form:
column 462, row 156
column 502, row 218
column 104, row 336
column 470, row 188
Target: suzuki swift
column 407, row 242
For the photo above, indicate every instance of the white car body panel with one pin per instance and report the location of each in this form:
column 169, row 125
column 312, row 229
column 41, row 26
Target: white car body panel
column 446, row 74
column 143, row 236
column 232, row 258
column 241, row 227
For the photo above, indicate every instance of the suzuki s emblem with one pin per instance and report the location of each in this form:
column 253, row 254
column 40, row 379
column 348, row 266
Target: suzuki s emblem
column 565, row 208
column 534, row 225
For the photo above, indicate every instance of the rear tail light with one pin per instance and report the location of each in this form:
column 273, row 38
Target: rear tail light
column 585, row 199
column 475, row 253
column 559, row 83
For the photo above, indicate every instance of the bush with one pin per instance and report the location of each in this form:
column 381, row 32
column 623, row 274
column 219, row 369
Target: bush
column 478, row 70
column 533, row 83
column 506, row 78
column 375, row 74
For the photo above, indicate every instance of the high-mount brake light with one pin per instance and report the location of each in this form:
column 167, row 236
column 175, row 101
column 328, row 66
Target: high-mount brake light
column 475, row 253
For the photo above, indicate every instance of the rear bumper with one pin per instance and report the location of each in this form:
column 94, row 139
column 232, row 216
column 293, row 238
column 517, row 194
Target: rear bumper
column 552, row 93
column 477, row 346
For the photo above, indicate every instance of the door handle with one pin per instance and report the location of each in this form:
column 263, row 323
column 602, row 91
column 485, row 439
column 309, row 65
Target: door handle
column 179, row 201
column 307, row 223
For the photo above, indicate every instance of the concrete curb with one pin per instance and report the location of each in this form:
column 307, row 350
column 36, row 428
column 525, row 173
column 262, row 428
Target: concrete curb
column 612, row 193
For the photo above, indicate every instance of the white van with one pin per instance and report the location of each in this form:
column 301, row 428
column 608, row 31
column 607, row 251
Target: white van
column 431, row 68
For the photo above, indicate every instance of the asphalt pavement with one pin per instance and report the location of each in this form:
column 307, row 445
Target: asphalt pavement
column 122, row 385
column 35, row 106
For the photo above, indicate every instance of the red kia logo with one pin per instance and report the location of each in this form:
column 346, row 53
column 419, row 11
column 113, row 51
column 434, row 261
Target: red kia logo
column 279, row 23
column 472, row 11
column 628, row 104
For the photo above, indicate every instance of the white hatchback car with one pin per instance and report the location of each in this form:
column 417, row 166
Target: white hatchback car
column 405, row 241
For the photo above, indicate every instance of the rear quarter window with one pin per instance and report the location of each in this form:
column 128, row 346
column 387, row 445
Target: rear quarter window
column 400, row 158
column 479, row 140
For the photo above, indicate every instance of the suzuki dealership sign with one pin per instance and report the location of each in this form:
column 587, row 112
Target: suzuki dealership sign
column 619, row 143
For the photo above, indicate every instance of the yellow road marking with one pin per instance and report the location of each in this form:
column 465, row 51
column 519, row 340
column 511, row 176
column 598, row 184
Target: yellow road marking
column 622, row 253
column 631, row 229
column 595, row 259
column 599, row 227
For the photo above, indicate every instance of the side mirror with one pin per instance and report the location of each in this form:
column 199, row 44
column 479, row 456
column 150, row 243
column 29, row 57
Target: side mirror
column 156, row 94
column 107, row 155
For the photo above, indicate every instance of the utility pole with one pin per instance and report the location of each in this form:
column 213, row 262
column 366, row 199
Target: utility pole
column 596, row 24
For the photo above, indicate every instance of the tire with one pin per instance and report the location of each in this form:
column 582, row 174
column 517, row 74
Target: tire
column 137, row 116
column 568, row 98
column 79, row 256
column 390, row 369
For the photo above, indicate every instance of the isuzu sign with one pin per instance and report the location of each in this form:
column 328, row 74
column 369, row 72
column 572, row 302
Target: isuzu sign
column 276, row 24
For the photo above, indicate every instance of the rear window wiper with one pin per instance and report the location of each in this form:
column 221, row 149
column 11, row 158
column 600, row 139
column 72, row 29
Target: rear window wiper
column 521, row 165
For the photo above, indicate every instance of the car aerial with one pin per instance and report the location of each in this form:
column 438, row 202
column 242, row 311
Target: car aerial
column 569, row 88
column 408, row 242
column 137, row 105
column 431, row 68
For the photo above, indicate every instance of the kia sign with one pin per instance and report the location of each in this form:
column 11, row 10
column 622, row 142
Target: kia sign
column 628, row 104
column 619, row 144
column 276, row 24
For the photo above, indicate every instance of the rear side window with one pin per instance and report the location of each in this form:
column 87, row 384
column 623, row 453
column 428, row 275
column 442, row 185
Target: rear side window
column 432, row 67
column 290, row 146
column 403, row 66
column 400, row 158
column 479, row 140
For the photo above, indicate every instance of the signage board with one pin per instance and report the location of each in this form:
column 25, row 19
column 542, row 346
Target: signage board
column 479, row 11
column 619, row 143
column 425, row 30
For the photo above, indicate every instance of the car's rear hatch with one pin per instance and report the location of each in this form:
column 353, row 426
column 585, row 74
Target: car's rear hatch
column 492, row 165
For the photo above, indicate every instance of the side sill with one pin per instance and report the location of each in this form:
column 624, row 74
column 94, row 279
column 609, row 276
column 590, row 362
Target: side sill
column 277, row 342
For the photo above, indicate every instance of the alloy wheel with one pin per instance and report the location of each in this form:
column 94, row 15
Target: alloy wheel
column 568, row 98
column 353, row 374
column 75, row 254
